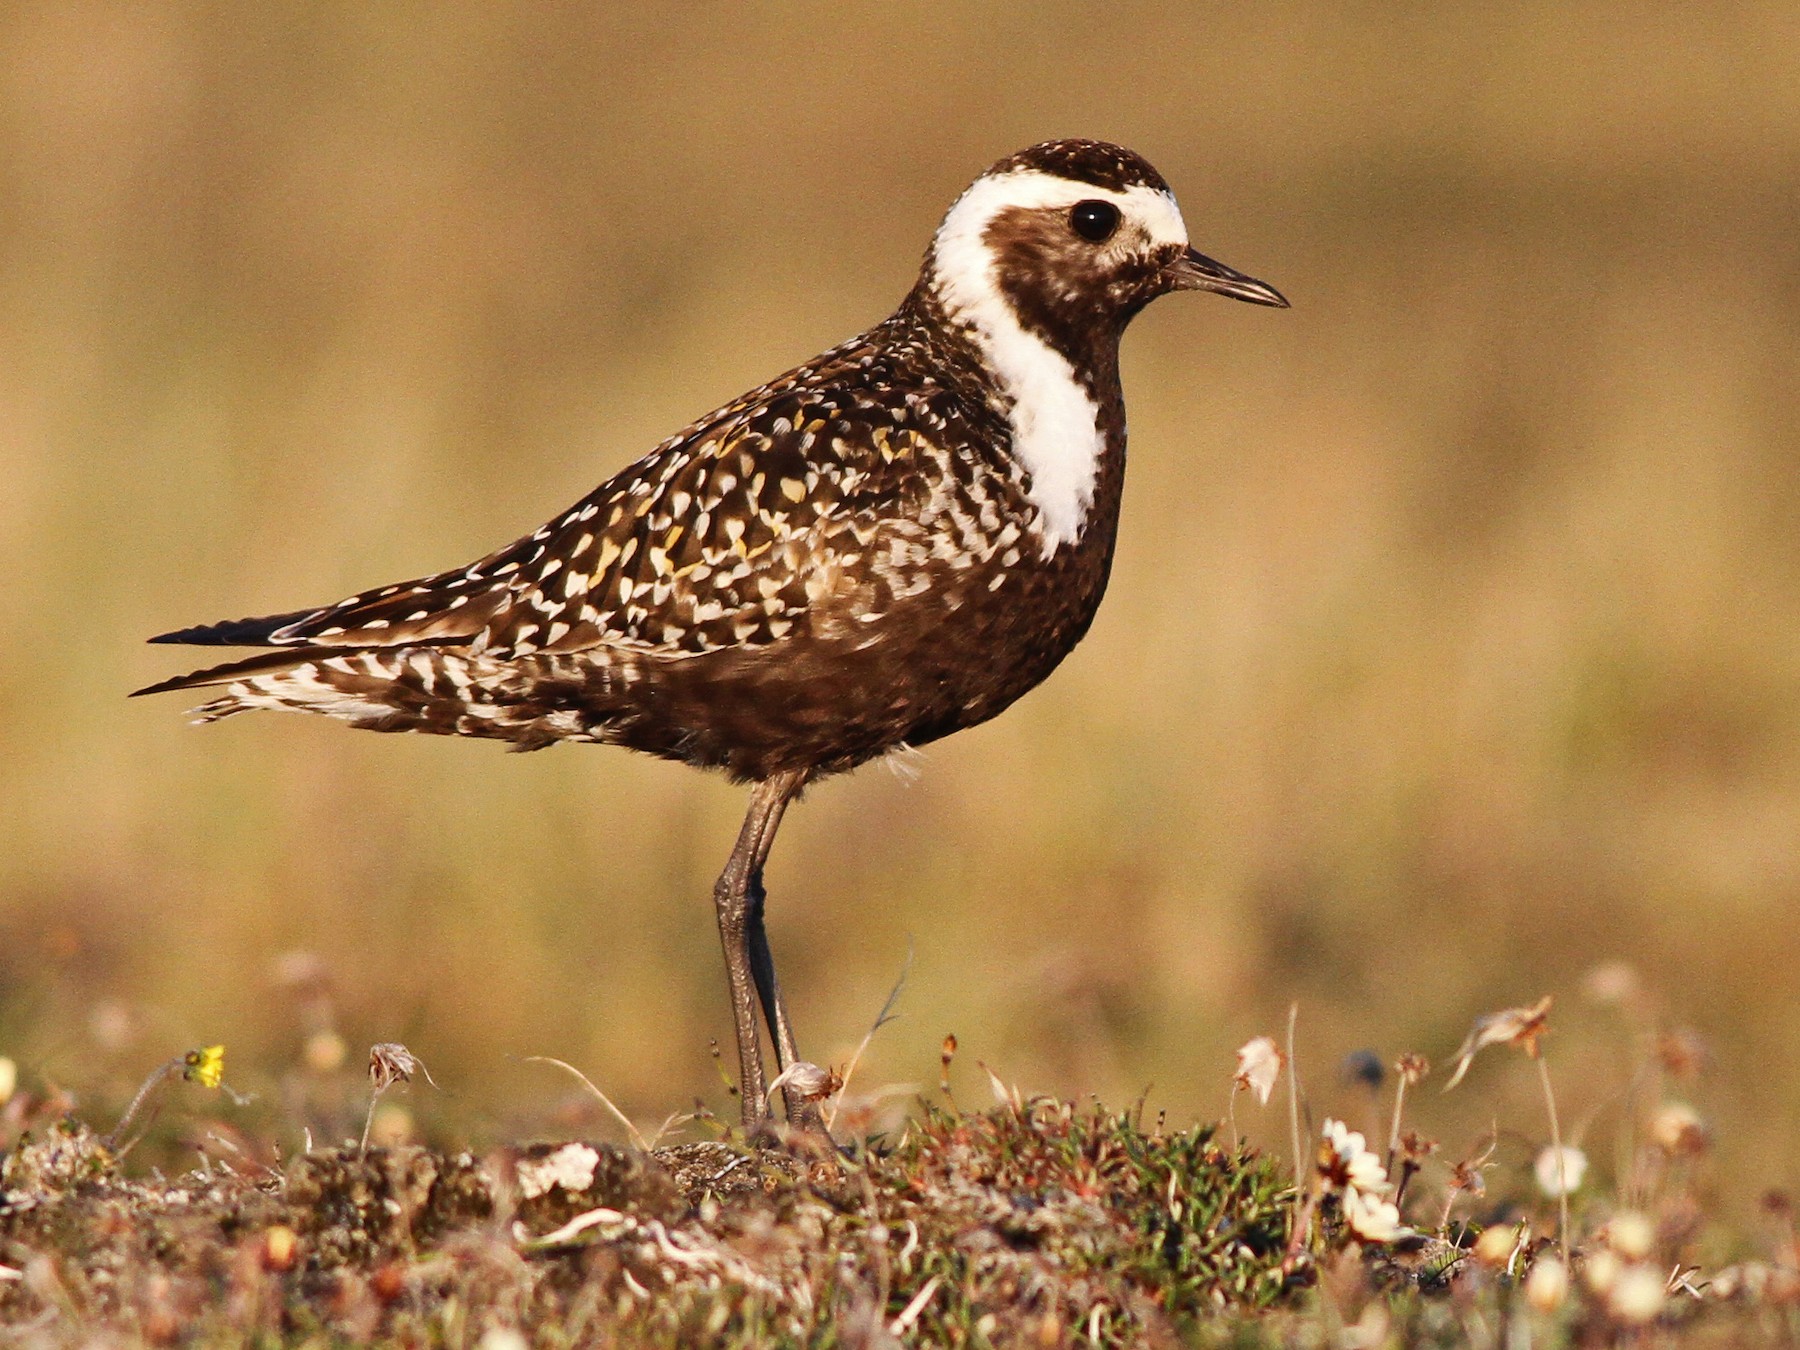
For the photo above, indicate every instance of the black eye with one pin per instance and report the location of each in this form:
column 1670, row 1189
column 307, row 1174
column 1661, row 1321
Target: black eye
column 1094, row 221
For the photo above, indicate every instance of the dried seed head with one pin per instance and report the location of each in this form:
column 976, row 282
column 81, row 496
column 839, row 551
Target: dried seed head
column 1259, row 1064
column 1683, row 1053
column 1523, row 1027
column 1415, row 1147
column 806, row 1081
column 1412, row 1069
column 390, row 1063
column 1467, row 1177
column 1678, row 1131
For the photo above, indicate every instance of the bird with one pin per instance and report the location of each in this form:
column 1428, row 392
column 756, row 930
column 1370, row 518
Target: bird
column 890, row 543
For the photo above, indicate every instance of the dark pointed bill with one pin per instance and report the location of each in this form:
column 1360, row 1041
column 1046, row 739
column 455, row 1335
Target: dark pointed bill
column 1194, row 271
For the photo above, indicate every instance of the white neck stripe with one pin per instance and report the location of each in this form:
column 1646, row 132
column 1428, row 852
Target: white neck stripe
column 1055, row 422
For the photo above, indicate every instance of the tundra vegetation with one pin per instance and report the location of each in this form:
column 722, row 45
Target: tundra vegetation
column 1028, row 1221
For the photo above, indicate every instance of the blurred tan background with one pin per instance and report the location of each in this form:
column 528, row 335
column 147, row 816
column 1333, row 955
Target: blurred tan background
column 1451, row 649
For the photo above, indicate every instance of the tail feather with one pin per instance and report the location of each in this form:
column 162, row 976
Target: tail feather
column 253, row 632
column 531, row 702
column 263, row 663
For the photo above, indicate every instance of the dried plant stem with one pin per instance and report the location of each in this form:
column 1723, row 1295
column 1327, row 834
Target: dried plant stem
column 362, row 1149
column 882, row 1018
column 145, row 1094
column 1293, row 1077
column 1231, row 1115
column 1297, row 1240
column 1301, row 1232
column 1562, row 1178
column 1394, row 1129
column 636, row 1138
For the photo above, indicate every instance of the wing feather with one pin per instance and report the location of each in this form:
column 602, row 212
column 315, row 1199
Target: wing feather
column 730, row 533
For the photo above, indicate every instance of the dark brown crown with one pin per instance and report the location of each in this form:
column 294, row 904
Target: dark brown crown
column 1096, row 162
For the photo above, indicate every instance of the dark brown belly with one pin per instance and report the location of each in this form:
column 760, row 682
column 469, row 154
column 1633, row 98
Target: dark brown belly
column 935, row 663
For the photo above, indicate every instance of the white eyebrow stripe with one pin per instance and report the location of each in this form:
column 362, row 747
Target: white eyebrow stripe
column 1033, row 189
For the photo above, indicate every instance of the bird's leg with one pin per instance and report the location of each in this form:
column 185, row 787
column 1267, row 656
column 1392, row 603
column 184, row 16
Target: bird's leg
column 802, row 1115
column 741, row 934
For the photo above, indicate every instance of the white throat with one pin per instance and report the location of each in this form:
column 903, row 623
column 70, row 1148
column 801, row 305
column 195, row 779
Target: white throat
column 1055, row 422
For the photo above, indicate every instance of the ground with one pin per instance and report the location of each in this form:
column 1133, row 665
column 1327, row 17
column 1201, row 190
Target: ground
column 1036, row 1223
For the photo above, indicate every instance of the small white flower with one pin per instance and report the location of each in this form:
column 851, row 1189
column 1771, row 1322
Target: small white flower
column 1631, row 1235
column 1676, row 1129
column 1638, row 1295
column 1259, row 1067
column 1373, row 1219
column 1547, row 1285
column 1347, row 1167
column 1560, row 1174
column 1350, row 1165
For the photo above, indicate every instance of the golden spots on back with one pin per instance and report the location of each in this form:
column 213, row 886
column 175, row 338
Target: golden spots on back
column 804, row 508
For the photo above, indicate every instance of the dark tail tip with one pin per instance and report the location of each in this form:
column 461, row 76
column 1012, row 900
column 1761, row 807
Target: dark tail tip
column 233, row 632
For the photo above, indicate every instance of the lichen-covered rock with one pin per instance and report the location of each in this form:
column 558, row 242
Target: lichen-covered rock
column 555, row 1182
column 354, row 1208
column 59, row 1158
column 710, row 1170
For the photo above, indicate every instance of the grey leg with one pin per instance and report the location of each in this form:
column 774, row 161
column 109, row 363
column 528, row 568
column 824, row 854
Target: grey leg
column 738, row 899
column 801, row 1115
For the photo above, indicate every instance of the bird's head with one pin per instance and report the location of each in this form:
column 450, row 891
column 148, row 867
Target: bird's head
column 1070, row 239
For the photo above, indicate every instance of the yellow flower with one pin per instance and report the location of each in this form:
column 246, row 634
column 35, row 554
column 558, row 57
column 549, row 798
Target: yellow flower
column 205, row 1066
